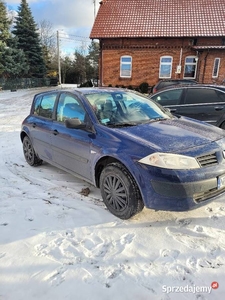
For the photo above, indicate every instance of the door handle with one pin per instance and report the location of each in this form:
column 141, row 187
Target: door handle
column 173, row 110
column 218, row 107
column 55, row 132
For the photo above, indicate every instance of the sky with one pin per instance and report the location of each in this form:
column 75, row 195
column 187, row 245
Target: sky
column 57, row 244
column 73, row 19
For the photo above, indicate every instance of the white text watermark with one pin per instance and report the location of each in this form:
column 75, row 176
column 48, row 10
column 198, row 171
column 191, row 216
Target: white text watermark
column 190, row 288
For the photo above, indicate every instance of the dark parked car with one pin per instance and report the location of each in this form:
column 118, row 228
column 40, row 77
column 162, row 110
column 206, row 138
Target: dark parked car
column 164, row 83
column 130, row 147
column 201, row 101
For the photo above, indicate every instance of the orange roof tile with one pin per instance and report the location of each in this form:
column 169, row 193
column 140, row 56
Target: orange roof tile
column 159, row 18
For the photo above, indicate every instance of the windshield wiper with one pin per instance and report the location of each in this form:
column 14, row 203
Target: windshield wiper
column 155, row 120
column 124, row 124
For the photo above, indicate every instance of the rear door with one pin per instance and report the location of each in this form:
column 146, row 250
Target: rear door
column 41, row 124
column 205, row 104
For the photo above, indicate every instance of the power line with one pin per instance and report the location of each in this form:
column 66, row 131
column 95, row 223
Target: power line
column 62, row 32
column 74, row 37
column 71, row 39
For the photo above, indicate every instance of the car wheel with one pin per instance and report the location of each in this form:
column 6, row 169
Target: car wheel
column 120, row 192
column 29, row 153
column 222, row 125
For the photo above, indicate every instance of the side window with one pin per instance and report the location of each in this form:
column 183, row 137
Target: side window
column 221, row 96
column 216, row 68
column 165, row 68
column 37, row 105
column 190, row 67
column 125, row 66
column 195, row 96
column 168, row 97
column 44, row 105
column 69, row 107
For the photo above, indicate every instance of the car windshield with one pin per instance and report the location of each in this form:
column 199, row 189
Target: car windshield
column 125, row 108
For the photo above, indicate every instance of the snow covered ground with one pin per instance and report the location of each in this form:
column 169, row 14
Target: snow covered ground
column 56, row 243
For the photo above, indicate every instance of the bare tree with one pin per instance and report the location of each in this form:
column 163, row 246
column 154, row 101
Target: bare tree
column 48, row 36
column 48, row 42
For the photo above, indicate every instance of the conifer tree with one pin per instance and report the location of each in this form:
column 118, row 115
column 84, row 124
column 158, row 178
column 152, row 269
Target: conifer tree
column 13, row 63
column 12, row 60
column 25, row 30
column 4, row 24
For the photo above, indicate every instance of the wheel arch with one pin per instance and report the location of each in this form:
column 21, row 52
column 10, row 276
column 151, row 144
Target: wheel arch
column 22, row 135
column 104, row 161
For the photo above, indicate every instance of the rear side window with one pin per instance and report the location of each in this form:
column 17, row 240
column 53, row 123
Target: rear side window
column 203, row 96
column 44, row 105
column 168, row 97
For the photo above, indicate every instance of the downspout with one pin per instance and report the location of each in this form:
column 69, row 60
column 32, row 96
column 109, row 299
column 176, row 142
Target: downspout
column 205, row 59
column 180, row 61
column 181, row 53
column 100, row 64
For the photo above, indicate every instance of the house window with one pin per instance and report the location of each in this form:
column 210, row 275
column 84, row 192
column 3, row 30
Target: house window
column 165, row 69
column 216, row 67
column 125, row 66
column 190, row 67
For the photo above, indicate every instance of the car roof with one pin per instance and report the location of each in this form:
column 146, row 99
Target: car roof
column 197, row 85
column 86, row 90
column 178, row 79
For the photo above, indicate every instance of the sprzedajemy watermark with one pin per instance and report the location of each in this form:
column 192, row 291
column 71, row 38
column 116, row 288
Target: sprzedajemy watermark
column 189, row 288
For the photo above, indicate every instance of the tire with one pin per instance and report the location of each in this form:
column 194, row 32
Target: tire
column 222, row 125
column 120, row 192
column 31, row 158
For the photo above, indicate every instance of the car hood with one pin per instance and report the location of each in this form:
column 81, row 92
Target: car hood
column 172, row 135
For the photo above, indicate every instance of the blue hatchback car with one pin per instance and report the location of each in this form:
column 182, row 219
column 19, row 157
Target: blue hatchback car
column 132, row 148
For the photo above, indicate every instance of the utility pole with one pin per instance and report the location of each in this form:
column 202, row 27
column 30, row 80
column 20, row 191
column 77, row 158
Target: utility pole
column 94, row 8
column 59, row 63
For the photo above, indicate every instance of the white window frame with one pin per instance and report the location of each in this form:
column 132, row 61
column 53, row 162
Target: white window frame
column 216, row 67
column 126, row 73
column 165, row 63
column 194, row 63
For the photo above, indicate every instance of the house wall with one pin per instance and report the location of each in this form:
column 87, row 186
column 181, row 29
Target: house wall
column 146, row 55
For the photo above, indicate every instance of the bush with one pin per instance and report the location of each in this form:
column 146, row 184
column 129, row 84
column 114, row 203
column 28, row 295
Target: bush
column 143, row 87
column 86, row 84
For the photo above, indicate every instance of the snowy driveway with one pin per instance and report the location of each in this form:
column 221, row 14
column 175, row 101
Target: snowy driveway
column 56, row 243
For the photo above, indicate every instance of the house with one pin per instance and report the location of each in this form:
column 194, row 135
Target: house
column 147, row 40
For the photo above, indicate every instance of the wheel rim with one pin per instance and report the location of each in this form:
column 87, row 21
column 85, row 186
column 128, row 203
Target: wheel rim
column 116, row 193
column 28, row 150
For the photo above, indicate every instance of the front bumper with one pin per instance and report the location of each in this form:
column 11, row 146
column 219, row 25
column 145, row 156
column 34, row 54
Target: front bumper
column 176, row 190
column 198, row 191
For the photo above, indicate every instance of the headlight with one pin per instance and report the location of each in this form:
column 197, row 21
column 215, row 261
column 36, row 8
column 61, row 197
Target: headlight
column 170, row 161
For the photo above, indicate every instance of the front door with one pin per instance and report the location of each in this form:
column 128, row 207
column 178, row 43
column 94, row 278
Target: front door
column 71, row 147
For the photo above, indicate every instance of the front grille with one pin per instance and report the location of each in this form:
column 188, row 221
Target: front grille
column 207, row 160
column 199, row 197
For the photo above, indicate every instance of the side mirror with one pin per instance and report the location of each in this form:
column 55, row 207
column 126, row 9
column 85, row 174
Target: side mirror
column 167, row 109
column 75, row 124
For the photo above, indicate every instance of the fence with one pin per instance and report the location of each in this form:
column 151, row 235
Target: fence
column 24, row 83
